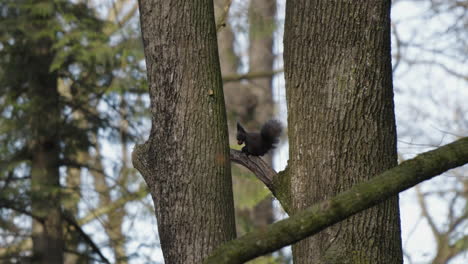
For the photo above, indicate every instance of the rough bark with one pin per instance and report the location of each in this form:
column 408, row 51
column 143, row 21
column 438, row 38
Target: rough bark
column 331, row 211
column 340, row 105
column 185, row 161
column 47, row 234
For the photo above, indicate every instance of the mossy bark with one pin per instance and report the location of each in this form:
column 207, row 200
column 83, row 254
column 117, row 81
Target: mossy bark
column 185, row 161
column 342, row 125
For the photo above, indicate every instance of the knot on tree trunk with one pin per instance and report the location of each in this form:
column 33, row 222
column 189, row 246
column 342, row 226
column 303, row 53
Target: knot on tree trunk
column 140, row 158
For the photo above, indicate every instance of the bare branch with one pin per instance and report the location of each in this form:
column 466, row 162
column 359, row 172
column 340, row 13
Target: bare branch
column 119, row 203
column 274, row 181
column 250, row 76
column 397, row 56
column 425, row 212
column 221, row 23
column 71, row 220
column 441, row 65
column 258, row 166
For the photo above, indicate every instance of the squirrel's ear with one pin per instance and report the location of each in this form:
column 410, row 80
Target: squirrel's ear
column 240, row 128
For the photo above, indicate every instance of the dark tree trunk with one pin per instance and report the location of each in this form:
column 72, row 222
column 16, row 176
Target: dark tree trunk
column 47, row 234
column 185, row 161
column 342, row 125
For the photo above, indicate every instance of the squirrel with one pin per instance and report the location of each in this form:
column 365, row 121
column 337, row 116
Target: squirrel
column 257, row 144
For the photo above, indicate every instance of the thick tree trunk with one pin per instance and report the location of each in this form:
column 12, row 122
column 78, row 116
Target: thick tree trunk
column 185, row 161
column 340, row 105
column 47, row 234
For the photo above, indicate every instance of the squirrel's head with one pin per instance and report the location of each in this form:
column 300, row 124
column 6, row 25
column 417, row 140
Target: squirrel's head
column 241, row 134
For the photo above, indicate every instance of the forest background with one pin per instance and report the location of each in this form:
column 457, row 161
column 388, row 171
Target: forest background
column 95, row 108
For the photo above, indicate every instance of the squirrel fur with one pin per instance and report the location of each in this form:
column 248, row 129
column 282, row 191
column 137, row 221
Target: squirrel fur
column 257, row 144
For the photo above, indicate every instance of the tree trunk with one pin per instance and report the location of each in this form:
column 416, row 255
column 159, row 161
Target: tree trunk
column 251, row 104
column 262, row 25
column 185, row 161
column 47, row 234
column 261, row 57
column 114, row 220
column 340, row 105
column 70, row 203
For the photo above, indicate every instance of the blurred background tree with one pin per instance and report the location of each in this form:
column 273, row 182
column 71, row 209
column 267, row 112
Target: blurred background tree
column 430, row 49
column 70, row 79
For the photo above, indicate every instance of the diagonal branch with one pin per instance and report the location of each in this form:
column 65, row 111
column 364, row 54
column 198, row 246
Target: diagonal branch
column 71, row 220
column 66, row 216
column 360, row 197
column 258, row 166
column 119, row 203
column 277, row 183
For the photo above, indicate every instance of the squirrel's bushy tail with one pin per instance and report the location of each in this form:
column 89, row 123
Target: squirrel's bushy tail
column 271, row 131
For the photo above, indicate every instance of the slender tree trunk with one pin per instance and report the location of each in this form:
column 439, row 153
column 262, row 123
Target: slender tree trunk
column 114, row 221
column 252, row 103
column 340, row 105
column 72, row 197
column 47, row 234
column 230, row 63
column 262, row 25
column 185, row 161
column 73, row 183
column 261, row 57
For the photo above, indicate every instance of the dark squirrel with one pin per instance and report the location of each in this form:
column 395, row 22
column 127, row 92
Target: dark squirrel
column 257, row 144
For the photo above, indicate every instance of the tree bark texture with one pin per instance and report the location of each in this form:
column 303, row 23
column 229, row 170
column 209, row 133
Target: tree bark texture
column 185, row 161
column 342, row 125
column 47, row 234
